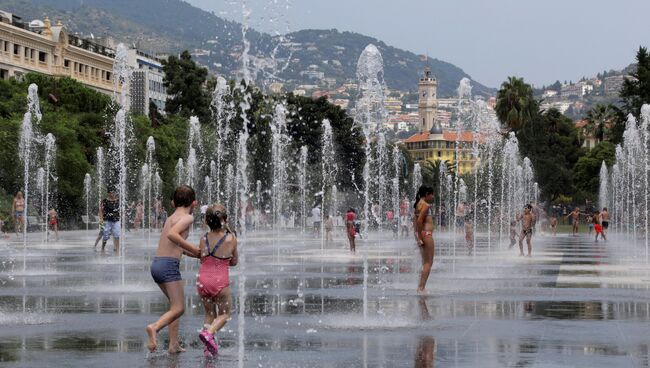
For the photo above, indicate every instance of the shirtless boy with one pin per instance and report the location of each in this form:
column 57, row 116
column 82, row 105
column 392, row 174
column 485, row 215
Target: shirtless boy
column 527, row 219
column 553, row 224
column 165, row 266
column 575, row 220
column 604, row 215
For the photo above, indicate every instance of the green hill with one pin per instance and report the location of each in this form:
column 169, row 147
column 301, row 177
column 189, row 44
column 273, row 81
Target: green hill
column 174, row 25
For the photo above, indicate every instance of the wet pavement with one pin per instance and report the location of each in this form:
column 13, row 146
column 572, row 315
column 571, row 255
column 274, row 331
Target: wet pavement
column 299, row 303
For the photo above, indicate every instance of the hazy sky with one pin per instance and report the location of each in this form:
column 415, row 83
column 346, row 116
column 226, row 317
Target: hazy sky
column 540, row 40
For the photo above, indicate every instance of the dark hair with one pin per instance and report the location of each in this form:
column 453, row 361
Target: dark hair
column 215, row 217
column 528, row 206
column 604, row 208
column 422, row 192
column 184, row 196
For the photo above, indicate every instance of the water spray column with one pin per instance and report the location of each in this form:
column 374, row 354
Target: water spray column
column 302, row 182
column 645, row 133
column 328, row 171
column 370, row 111
column 151, row 149
column 27, row 138
column 87, row 189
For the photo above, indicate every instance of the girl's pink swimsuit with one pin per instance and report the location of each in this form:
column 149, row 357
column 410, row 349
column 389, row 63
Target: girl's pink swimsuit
column 213, row 273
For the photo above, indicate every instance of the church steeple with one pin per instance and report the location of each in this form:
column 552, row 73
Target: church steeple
column 427, row 101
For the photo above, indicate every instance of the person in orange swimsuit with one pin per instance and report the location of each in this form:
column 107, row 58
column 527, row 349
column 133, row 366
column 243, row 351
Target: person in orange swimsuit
column 218, row 252
column 424, row 232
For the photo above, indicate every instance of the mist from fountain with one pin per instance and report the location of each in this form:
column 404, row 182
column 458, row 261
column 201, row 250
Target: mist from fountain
column 302, row 183
column 222, row 113
column 87, row 195
column 279, row 145
column 628, row 184
column 370, row 115
column 328, row 172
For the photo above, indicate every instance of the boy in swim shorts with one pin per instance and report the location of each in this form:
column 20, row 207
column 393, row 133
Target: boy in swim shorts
column 165, row 266
column 527, row 219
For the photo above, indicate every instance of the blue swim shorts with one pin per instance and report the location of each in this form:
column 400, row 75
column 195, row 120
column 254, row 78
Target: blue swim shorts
column 165, row 269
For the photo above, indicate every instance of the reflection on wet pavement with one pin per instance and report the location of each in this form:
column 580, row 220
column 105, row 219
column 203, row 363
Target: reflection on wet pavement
column 575, row 303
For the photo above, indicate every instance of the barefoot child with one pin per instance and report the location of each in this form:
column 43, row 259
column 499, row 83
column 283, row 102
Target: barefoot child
column 469, row 234
column 329, row 226
column 218, row 249
column 527, row 219
column 513, row 233
column 165, row 266
column 53, row 224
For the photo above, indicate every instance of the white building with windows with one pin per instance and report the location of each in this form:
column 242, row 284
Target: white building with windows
column 147, row 82
column 40, row 47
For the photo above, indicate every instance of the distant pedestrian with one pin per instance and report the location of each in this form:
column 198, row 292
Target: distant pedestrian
column 316, row 219
column 109, row 214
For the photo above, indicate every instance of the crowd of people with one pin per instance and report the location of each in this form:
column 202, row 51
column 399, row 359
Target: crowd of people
column 217, row 247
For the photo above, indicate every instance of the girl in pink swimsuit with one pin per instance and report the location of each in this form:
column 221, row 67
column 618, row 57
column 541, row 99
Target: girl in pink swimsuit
column 218, row 252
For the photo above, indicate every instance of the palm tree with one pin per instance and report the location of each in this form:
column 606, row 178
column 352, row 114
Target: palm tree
column 515, row 103
column 431, row 172
column 599, row 118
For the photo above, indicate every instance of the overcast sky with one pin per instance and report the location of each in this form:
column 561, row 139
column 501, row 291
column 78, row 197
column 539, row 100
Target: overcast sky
column 540, row 40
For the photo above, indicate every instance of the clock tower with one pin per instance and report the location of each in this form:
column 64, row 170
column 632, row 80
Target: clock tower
column 428, row 101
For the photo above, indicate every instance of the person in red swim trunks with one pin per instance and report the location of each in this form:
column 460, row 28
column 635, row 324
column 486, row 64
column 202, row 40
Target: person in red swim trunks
column 350, row 218
column 54, row 222
column 218, row 252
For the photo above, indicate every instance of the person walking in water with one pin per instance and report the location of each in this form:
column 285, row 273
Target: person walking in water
column 53, row 222
column 109, row 214
column 218, row 248
column 597, row 220
column 575, row 220
column 424, row 233
column 18, row 211
column 605, row 221
column 527, row 219
column 350, row 218
column 165, row 268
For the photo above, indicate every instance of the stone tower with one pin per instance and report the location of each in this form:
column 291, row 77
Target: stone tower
column 428, row 101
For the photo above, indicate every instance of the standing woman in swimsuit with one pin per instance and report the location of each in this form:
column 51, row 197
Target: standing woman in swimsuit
column 424, row 232
column 18, row 210
column 218, row 252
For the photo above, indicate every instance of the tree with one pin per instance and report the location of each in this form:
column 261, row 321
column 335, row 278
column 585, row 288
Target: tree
column 587, row 169
column 602, row 121
column 552, row 144
column 185, row 80
column 516, row 105
column 636, row 90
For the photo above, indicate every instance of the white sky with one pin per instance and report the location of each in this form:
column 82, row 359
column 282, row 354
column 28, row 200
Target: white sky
column 540, row 40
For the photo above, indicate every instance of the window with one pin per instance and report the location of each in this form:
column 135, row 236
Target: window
column 16, row 49
column 42, row 57
column 108, row 76
column 439, row 154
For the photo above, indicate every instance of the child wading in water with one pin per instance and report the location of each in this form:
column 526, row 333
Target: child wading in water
column 165, row 266
column 218, row 252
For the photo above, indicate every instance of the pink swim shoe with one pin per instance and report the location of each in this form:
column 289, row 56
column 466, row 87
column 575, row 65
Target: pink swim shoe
column 208, row 340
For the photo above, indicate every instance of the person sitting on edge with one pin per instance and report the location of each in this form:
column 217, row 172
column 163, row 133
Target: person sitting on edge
column 165, row 266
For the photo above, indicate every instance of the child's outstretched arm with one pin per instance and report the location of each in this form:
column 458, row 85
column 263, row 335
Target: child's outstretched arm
column 176, row 237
